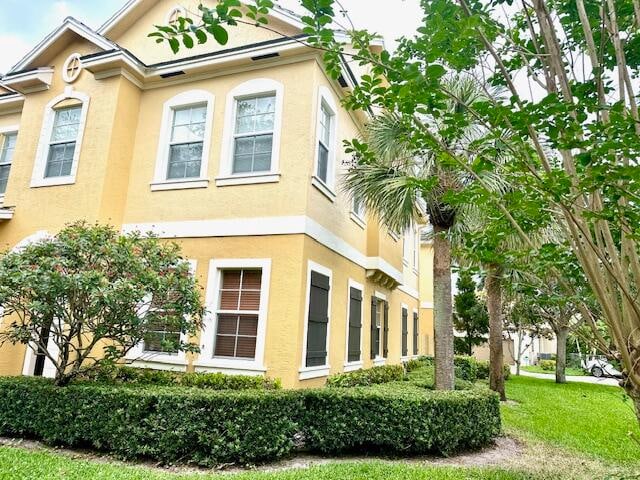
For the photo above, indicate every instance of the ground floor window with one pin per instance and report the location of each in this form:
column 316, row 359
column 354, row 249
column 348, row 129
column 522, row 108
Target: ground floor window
column 405, row 332
column 379, row 327
column 238, row 313
column 415, row 333
column 161, row 337
column 355, row 324
column 317, row 319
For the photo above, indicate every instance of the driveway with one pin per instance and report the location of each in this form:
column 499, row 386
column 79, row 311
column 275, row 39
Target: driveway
column 586, row 379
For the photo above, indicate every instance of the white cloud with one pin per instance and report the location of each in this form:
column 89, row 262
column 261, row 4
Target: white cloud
column 14, row 48
column 59, row 11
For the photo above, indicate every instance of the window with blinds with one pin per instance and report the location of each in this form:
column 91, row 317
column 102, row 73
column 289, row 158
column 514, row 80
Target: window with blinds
column 237, row 314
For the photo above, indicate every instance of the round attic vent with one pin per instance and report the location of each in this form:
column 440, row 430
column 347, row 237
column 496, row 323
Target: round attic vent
column 72, row 68
column 174, row 14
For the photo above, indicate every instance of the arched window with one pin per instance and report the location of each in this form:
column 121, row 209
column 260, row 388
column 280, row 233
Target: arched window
column 60, row 140
column 251, row 138
column 185, row 141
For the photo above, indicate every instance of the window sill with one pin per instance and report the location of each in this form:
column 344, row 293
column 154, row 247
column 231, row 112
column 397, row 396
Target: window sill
column 358, row 220
column 307, row 373
column 159, row 363
column 405, row 358
column 247, row 179
column 323, row 188
column 52, row 182
column 352, row 366
column 234, row 367
column 378, row 361
column 179, row 184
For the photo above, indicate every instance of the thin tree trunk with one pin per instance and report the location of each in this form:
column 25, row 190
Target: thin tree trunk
column 561, row 355
column 443, row 311
column 496, row 355
column 519, row 354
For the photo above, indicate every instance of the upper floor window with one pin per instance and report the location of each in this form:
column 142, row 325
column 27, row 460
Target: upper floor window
column 72, row 68
column 406, row 246
column 7, row 147
column 324, row 142
column 60, row 142
column 416, row 249
column 185, row 140
column 325, row 154
column 62, row 145
column 251, row 138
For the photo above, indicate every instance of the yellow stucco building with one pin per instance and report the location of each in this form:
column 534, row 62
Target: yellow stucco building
column 233, row 151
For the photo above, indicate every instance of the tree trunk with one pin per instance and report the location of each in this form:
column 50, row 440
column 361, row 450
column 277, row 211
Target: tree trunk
column 443, row 311
column 519, row 359
column 496, row 355
column 561, row 355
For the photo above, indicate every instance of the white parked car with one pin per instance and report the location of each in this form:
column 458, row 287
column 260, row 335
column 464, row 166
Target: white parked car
column 599, row 367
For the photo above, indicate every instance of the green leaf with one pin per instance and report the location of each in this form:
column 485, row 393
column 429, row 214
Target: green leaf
column 187, row 40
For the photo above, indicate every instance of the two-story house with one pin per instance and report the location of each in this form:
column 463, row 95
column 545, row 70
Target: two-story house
column 235, row 152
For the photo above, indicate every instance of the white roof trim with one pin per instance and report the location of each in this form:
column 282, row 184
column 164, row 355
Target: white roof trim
column 69, row 23
column 276, row 12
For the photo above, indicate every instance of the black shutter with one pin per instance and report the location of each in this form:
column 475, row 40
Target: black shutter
column 405, row 333
column 318, row 320
column 355, row 324
column 374, row 330
column 385, row 338
column 415, row 333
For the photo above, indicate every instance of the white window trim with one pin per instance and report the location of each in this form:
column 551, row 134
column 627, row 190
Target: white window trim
column 359, row 219
column 380, row 359
column 416, row 250
column 317, row 370
column 404, row 358
column 206, row 360
column 184, row 99
column 326, row 188
column 141, row 358
column 250, row 88
column 351, row 366
column 7, row 131
column 37, row 178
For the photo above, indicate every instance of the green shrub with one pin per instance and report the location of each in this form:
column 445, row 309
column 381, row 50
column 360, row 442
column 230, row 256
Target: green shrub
column 466, row 368
column 547, row 365
column 482, row 370
column 413, row 364
column 424, row 378
column 166, row 424
column 399, row 419
column 117, row 375
column 366, row 377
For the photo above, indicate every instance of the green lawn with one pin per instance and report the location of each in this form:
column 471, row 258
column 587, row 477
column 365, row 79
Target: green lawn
column 19, row 464
column 586, row 418
column 574, row 372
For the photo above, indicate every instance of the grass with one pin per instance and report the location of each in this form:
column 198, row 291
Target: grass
column 590, row 419
column 18, row 464
column 574, row 372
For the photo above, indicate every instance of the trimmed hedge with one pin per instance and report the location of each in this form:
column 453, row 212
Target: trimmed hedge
column 119, row 375
column 167, row 424
column 399, row 420
column 208, row 428
column 367, row 377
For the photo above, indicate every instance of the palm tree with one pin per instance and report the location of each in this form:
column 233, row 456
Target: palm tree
column 396, row 181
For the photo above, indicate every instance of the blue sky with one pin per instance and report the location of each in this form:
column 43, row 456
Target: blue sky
column 39, row 17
